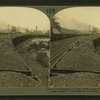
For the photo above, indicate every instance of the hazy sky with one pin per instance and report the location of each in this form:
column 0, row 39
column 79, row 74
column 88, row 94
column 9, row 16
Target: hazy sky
column 78, row 17
column 25, row 17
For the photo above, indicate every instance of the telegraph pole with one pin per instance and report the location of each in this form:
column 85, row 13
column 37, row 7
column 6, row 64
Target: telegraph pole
column 36, row 28
column 89, row 27
column 8, row 26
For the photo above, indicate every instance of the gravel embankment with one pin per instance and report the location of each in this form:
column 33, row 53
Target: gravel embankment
column 79, row 79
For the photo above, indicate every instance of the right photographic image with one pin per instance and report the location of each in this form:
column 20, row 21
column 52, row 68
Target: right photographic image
column 75, row 48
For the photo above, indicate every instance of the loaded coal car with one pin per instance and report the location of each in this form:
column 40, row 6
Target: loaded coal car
column 56, row 35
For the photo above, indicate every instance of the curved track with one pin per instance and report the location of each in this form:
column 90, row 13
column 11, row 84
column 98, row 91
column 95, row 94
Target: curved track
column 59, row 48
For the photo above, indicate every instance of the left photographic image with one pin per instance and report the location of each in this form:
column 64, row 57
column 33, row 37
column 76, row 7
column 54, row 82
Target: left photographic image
column 24, row 47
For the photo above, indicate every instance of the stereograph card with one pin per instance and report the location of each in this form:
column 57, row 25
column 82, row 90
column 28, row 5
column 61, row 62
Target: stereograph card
column 49, row 50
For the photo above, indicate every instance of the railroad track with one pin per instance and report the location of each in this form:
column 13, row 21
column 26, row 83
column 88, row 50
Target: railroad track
column 57, row 58
column 60, row 48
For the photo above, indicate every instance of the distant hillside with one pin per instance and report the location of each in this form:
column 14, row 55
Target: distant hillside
column 76, row 25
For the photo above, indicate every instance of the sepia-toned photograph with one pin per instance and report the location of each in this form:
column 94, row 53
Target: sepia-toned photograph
column 24, row 47
column 75, row 48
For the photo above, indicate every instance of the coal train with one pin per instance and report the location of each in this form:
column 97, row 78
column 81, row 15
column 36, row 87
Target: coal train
column 55, row 37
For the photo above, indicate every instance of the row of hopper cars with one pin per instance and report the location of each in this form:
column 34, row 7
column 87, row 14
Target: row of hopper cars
column 62, row 36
